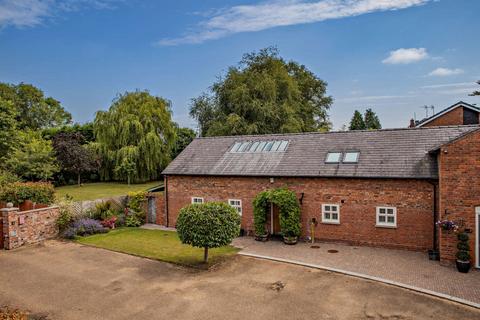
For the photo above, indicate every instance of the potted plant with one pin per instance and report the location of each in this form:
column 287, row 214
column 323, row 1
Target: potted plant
column 290, row 239
column 447, row 225
column 463, row 253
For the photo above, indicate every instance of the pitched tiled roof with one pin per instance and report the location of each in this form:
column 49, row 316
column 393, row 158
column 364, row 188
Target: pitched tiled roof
column 389, row 153
column 456, row 105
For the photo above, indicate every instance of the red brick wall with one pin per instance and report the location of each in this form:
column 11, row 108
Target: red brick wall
column 160, row 206
column 451, row 118
column 459, row 170
column 412, row 198
column 27, row 227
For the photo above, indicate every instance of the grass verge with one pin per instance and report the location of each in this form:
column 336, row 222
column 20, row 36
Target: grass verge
column 92, row 191
column 156, row 244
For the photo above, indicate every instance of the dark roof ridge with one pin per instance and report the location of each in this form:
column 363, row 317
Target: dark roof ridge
column 338, row 131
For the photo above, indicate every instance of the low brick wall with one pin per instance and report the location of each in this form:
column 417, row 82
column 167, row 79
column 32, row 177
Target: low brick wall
column 28, row 227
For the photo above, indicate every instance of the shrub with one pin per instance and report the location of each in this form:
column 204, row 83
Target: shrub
column 7, row 178
column 208, row 225
column 136, row 206
column 289, row 208
column 103, row 211
column 133, row 220
column 84, row 227
column 109, row 223
column 260, row 207
column 38, row 192
column 65, row 218
column 463, row 253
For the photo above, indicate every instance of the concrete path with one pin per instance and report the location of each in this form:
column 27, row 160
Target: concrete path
column 151, row 226
column 410, row 269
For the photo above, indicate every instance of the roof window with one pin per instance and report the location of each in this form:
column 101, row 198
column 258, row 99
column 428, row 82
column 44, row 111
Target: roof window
column 350, row 157
column 260, row 146
column 333, row 157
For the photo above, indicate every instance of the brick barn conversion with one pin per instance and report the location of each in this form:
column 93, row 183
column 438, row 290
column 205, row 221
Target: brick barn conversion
column 380, row 188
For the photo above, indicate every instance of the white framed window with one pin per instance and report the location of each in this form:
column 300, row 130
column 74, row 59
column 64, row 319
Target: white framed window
column 237, row 204
column 333, row 157
column 331, row 213
column 197, row 200
column 387, row 217
column 351, row 157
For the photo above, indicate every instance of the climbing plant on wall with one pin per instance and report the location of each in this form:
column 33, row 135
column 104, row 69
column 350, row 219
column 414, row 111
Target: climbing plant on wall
column 287, row 202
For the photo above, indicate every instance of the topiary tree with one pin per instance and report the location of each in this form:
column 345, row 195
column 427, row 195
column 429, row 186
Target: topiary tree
column 463, row 253
column 208, row 225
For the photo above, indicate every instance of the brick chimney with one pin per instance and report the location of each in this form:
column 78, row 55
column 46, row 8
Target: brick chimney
column 412, row 123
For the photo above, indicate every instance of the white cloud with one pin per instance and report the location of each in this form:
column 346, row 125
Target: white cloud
column 29, row 13
column 406, row 56
column 271, row 14
column 443, row 72
column 448, row 85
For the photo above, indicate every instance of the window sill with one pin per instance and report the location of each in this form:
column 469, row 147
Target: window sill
column 385, row 226
column 330, row 222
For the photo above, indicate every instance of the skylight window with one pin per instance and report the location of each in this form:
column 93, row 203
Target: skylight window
column 350, row 157
column 333, row 157
column 260, row 146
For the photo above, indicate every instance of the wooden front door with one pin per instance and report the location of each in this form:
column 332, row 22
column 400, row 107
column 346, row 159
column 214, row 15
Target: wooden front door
column 274, row 220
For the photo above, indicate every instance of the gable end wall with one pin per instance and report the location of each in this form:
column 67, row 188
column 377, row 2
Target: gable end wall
column 459, row 183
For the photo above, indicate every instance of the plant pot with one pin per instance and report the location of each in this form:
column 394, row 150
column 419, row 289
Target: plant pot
column 290, row 240
column 463, row 266
column 433, row 255
column 262, row 238
column 26, row 205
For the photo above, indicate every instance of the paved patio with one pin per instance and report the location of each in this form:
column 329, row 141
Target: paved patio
column 411, row 269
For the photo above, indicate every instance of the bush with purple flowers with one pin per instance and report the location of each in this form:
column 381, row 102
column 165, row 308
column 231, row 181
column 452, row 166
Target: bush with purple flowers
column 447, row 225
column 84, row 227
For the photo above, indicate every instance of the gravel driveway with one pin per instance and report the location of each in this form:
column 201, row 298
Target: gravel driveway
column 69, row 281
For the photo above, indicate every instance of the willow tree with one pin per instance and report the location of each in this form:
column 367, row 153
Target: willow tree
column 134, row 138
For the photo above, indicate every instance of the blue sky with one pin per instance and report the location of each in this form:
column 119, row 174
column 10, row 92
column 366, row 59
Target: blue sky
column 391, row 55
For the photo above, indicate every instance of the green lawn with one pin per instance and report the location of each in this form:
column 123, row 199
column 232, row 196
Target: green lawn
column 155, row 244
column 92, row 191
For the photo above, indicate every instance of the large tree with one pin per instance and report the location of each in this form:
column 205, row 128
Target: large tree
column 264, row 94
column 34, row 110
column 8, row 127
column 357, row 122
column 183, row 139
column 134, row 138
column 33, row 157
column 371, row 120
column 73, row 155
column 476, row 92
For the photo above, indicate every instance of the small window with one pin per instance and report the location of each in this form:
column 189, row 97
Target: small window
column 237, row 204
column 261, row 146
column 254, row 146
column 350, row 157
column 243, row 147
column 386, row 217
column 268, row 147
column 197, row 200
column 333, row 157
column 330, row 213
column 236, row 146
column 275, row 146
column 283, row 146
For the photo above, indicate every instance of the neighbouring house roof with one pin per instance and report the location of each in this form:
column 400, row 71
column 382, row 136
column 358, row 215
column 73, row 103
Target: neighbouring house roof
column 388, row 153
column 452, row 107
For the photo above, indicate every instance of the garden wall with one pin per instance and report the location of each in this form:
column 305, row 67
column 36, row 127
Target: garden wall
column 28, row 227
